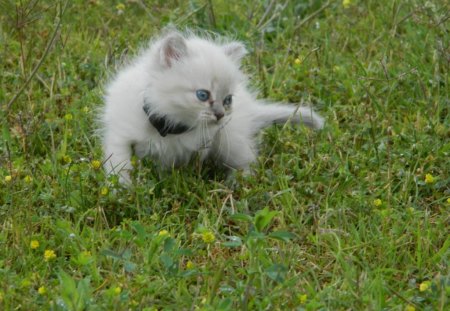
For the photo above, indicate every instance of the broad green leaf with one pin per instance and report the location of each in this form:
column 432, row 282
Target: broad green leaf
column 241, row 217
column 263, row 218
column 166, row 260
column 129, row 266
column 282, row 235
column 276, row 272
column 169, row 244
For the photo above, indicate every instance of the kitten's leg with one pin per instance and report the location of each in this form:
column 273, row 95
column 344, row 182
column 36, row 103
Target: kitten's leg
column 234, row 151
column 118, row 158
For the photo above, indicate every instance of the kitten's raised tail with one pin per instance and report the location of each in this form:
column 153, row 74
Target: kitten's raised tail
column 269, row 114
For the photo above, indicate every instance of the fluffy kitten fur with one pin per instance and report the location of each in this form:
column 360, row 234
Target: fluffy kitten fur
column 167, row 77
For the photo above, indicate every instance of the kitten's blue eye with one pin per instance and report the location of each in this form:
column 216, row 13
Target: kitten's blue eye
column 227, row 101
column 202, row 95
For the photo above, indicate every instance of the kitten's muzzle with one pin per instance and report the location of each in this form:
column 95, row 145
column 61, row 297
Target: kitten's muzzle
column 219, row 115
column 218, row 110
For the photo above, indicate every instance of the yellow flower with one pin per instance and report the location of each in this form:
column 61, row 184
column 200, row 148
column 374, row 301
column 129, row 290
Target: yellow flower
column 410, row 308
column 117, row 290
column 208, row 237
column 49, row 255
column 68, row 117
column 424, row 286
column 377, row 202
column 42, row 290
column 190, row 265
column 104, row 191
column 302, row 298
column 8, row 178
column 429, row 179
column 163, row 233
column 120, row 7
column 448, row 200
column 28, row 179
column 34, row 244
column 66, row 159
column 85, row 109
column 346, row 3
column 96, row 164
column 85, row 255
column 297, row 61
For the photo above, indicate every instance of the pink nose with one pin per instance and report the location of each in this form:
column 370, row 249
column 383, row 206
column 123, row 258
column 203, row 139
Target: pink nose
column 219, row 115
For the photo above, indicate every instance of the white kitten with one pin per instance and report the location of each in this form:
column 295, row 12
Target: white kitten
column 186, row 96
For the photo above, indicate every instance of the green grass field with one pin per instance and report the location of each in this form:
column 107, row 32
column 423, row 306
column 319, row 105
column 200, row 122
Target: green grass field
column 354, row 217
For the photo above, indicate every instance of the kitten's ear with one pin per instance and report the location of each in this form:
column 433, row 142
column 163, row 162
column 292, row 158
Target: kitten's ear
column 173, row 48
column 235, row 50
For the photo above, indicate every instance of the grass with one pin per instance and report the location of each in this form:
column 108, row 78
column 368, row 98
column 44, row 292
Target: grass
column 342, row 219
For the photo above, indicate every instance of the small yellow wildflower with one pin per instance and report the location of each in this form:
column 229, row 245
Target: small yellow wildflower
column 346, row 3
column 86, row 253
column 410, row 308
column 42, row 290
column 28, row 179
column 429, row 179
column 424, row 286
column 377, row 202
column 68, row 117
column 104, row 191
column 8, row 178
column 96, row 164
column 117, row 290
column 190, row 265
column 86, row 109
column 208, row 237
column 448, row 200
column 34, row 244
column 303, row 298
column 297, row 61
column 66, row 159
column 163, row 233
column 120, row 7
column 49, row 255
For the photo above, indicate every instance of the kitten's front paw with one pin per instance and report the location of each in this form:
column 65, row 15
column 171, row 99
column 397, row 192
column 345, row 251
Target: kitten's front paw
column 234, row 176
column 231, row 182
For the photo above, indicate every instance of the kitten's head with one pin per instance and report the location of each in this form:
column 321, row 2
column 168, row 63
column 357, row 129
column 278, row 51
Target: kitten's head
column 195, row 79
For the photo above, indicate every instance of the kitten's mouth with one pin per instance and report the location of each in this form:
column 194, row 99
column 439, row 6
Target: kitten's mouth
column 214, row 121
